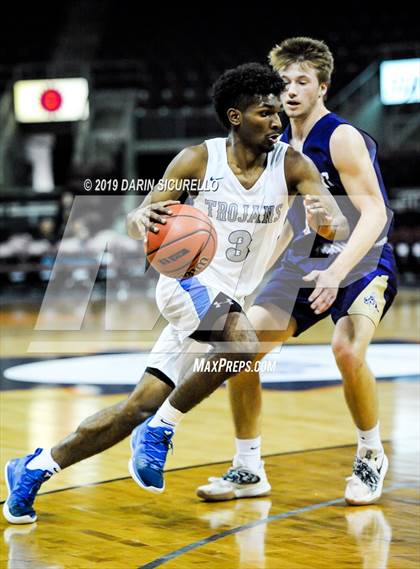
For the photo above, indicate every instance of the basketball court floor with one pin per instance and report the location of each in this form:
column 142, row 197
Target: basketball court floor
column 93, row 515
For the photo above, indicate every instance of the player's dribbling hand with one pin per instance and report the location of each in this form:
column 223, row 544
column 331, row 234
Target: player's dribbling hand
column 325, row 291
column 318, row 217
column 148, row 218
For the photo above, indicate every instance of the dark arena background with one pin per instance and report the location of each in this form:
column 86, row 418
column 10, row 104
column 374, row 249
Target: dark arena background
column 96, row 98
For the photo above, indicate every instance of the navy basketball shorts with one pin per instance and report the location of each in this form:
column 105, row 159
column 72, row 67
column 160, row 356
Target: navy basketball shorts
column 370, row 294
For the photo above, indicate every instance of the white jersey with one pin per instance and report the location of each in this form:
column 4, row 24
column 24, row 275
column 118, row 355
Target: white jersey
column 248, row 224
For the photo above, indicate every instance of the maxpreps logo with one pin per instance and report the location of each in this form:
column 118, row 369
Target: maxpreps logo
column 370, row 300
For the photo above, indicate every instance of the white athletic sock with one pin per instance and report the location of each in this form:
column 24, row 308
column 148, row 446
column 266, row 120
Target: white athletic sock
column 370, row 439
column 166, row 416
column 248, row 453
column 44, row 461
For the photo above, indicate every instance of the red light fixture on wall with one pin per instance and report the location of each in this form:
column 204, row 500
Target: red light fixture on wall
column 51, row 100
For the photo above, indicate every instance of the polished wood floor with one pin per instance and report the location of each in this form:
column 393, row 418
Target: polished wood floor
column 303, row 524
column 92, row 515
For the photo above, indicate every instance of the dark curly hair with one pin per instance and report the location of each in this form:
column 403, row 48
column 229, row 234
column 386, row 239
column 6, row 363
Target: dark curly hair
column 242, row 86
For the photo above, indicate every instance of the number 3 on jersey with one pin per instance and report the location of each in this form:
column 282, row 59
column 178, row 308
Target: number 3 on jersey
column 241, row 239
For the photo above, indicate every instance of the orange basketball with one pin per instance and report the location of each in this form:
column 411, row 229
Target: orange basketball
column 185, row 245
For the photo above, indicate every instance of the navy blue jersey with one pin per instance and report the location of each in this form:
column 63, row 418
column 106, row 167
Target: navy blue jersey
column 369, row 288
column 317, row 147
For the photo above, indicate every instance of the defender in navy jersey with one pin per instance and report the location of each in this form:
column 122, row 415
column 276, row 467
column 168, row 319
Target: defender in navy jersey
column 346, row 158
column 308, row 251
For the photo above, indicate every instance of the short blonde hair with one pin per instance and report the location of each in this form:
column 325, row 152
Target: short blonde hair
column 304, row 50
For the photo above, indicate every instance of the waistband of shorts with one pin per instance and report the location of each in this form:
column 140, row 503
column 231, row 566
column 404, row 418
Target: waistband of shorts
column 335, row 248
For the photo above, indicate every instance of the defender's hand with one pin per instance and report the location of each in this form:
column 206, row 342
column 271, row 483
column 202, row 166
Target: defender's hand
column 326, row 289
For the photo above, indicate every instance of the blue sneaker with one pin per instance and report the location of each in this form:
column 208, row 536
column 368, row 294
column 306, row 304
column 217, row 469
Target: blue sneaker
column 149, row 446
column 22, row 485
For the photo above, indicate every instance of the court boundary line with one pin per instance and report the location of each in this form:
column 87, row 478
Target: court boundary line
column 191, row 467
column 232, row 531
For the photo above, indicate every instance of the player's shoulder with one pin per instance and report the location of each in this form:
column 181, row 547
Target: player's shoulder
column 194, row 159
column 346, row 134
column 347, row 146
column 197, row 152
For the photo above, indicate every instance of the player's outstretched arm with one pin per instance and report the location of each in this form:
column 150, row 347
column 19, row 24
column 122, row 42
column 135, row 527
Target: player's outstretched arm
column 189, row 164
column 352, row 161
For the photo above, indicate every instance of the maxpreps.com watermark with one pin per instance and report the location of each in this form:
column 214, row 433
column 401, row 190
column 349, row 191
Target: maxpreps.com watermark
column 147, row 185
column 229, row 366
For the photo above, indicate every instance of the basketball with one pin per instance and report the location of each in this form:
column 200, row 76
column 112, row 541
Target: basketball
column 185, row 245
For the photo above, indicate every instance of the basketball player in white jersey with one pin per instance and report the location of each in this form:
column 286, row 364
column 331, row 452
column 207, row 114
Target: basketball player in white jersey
column 248, row 210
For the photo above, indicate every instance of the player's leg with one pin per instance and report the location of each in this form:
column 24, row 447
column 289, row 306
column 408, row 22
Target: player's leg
column 234, row 343
column 350, row 342
column 247, row 476
column 171, row 359
column 113, row 424
column 273, row 327
column 352, row 336
column 363, row 305
column 102, row 430
column 280, row 310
